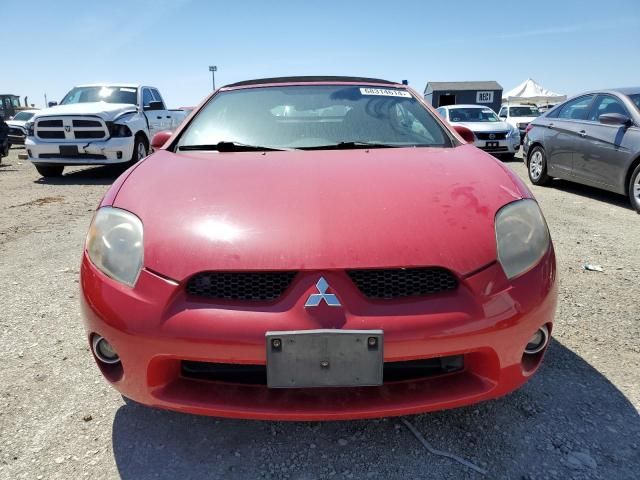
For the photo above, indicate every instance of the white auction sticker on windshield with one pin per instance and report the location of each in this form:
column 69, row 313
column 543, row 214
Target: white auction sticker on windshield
column 125, row 89
column 384, row 92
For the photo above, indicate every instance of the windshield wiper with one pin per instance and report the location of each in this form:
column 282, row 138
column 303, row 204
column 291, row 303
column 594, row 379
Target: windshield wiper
column 349, row 145
column 230, row 147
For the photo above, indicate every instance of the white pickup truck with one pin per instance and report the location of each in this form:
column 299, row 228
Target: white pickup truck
column 98, row 125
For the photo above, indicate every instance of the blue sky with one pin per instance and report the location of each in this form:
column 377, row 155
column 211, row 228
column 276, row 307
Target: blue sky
column 567, row 46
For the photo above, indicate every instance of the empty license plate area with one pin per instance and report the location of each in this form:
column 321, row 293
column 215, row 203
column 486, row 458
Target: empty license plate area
column 324, row 358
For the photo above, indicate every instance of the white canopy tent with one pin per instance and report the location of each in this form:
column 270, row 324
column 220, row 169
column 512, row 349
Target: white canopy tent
column 531, row 92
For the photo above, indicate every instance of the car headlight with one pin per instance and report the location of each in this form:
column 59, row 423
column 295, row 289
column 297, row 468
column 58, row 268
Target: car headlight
column 114, row 244
column 522, row 236
column 28, row 127
column 117, row 130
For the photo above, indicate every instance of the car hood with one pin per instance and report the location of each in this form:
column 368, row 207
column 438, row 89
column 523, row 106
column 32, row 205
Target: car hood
column 522, row 119
column 317, row 210
column 16, row 123
column 485, row 126
column 107, row 111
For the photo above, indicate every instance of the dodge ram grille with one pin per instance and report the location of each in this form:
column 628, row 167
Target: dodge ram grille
column 70, row 128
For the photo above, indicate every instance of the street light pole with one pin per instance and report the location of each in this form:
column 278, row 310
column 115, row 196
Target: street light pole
column 213, row 69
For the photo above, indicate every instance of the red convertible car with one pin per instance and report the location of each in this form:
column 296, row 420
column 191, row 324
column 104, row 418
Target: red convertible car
column 317, row 248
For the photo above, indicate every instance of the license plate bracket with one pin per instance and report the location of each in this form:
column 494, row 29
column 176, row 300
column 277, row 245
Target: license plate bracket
column 69, row 150
column 324, row 358
column 492, row 144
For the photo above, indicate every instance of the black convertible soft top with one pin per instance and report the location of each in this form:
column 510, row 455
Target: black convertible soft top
column 262, row 81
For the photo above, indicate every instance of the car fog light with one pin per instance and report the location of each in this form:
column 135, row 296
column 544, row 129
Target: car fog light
column 538, row 341
column 104, row 351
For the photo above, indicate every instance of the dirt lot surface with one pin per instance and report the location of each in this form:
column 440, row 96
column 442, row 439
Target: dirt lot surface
column 577, row 418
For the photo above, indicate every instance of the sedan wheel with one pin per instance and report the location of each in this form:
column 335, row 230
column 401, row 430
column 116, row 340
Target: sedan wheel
column 634, row 189
column 538, row 167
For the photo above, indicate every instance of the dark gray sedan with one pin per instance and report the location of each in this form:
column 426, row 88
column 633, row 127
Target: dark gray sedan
column 593, row 139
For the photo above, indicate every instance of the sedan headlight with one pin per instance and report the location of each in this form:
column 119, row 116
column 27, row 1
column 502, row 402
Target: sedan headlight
column 114, row 244
column 522, row 236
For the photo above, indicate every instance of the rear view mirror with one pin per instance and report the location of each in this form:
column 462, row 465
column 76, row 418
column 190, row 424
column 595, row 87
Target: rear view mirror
column 160, row 138
column 154, row 106
column 615, row 119
column 466, row 134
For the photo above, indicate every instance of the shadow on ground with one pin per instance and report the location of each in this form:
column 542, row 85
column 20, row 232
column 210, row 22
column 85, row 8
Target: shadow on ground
column 614, row 199
column 569, row 421
column 101, row 175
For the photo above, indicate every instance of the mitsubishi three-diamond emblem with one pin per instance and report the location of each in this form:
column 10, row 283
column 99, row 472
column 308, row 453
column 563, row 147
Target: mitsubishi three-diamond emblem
column 316, row 299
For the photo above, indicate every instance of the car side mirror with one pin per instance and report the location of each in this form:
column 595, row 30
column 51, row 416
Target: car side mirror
column 615, row 119
column 466, row 134
column 160, row 138
column 502, row 116
column 52, row 104
column 154, row 106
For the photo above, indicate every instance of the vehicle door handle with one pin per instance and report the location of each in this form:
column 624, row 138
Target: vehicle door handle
column 550, row 125
column 582, row 133
column 168, row 116
column 159, row 118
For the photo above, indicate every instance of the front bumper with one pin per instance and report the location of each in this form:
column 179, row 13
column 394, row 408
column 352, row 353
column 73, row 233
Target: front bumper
column 156, row 326
column 106, row 152
column 508, row 146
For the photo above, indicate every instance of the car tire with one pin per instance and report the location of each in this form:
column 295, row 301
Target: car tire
column 140, row 149
column 634, row 188
column 537, row 166
column 50, row 170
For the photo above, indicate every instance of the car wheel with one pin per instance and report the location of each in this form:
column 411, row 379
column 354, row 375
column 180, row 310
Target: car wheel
column 140, row 149
column 50, row 170
column 537, row 167
column 634, row 189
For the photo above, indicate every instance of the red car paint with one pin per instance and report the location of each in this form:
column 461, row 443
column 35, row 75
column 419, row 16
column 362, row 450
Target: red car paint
column 319, row 213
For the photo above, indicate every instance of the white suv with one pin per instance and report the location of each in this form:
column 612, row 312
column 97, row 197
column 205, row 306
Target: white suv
column 492, row 135
column 519, row 116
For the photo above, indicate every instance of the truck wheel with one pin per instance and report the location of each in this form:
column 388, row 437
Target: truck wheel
column 50, row 170
column 140, row 149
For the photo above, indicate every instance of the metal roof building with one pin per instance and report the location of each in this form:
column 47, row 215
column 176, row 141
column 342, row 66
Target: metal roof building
column 440, row 94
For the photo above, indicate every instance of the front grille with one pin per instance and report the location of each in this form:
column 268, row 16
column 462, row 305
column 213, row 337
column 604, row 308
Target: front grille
column 49, row 134
column 71, row 128
column 257, row 374
column 80, row 134
column 50, row 123
column 87, row 123
column 487, row 135
column 81, row 156
column 244, row 286
column 388, row 284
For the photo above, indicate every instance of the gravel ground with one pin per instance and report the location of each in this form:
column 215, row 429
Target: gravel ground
column 577, row 418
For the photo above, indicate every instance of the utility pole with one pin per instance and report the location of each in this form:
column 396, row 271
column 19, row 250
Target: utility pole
column 213, row 69
column 46, row 104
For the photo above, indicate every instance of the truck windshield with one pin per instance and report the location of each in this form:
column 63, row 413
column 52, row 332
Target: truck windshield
column 313, row 116
column 101, row 94
column 524, row 111
column 23, row 116
column 472, row 115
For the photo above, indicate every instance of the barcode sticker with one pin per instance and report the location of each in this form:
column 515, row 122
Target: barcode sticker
column 385, row 92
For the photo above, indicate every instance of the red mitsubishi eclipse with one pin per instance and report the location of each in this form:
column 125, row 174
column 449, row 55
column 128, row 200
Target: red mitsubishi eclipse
column 317, row 248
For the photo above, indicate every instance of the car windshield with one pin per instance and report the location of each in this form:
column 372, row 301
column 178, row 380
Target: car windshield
column 524, row 111
column 313, row 116
column 635, row 98
column 472, row 115
column 101, row 94
column 23, row 116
